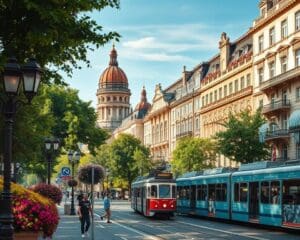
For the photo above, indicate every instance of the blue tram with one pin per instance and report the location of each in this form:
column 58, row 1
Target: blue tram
column 262, row 192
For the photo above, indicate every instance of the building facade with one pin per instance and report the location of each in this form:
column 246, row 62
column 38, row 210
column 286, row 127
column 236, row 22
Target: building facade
column 276, row 67
column 261, row 69
column 113, row 95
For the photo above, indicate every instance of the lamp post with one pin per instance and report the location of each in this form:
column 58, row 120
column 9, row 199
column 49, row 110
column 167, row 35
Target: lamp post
column 51, row 146
column 12, row 76
column 73, row 158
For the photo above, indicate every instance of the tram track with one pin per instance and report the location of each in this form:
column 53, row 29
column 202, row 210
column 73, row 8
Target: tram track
column 184, row 228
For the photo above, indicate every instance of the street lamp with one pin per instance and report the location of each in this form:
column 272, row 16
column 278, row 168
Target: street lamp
column 12, row 76
column 51, row 146
column 73, row 159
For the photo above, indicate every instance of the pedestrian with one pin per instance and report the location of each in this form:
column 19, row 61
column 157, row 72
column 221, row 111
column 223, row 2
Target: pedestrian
column 107, row 210
column 84, row 211
column 80, row 197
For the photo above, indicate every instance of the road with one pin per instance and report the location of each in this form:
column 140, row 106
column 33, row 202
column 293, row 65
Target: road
column 127, row 225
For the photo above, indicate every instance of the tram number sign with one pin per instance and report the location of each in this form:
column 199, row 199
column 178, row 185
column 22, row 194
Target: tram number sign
column 165, row 175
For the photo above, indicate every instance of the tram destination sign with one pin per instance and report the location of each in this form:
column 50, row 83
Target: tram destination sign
column 164, row 175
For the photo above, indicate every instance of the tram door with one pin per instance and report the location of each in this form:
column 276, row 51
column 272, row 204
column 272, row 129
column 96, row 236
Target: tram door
column 253, row 200
column 193, row 197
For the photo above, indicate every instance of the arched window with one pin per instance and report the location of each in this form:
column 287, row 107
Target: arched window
column 108, row 99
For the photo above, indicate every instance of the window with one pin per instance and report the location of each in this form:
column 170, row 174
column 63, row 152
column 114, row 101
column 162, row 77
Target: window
column 265, row 192
column 225, row 90
column 298, row 94
column 216, row 95
column 275, row 192
column 260, row 43
column 221, row 192
column 210, row 97
column 197, row 123
column 242, row 82
column 284, row 29
column 236, row 85
column 261, row 103
column 291, row 193
column 240, row 192
column 297, row 57
column 248, row 80
column 164, row 191
column 153, row 191
column 261, row 75
column 272, row 69
column 203, row 101
column 297, row 20
column 202, row 192
column 220, row 93
column 206, row 99
column 166, row 130
column 272, row 36
column 284, row 121
column 230, row 88
column 283, row 64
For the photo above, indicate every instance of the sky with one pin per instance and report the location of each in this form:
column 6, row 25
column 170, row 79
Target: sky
column 159, row 37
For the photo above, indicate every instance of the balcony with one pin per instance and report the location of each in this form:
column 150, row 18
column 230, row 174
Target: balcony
column 277, row 135
column 277, row 106
column 280, row 79
column 184, row 134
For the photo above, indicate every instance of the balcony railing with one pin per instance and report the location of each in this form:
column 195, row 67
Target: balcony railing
column 279, row 79
column 277, row 134
column 184, row 134
column 282, row 104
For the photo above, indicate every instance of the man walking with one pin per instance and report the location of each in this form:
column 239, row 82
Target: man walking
column 106, row 204
column 84, row 212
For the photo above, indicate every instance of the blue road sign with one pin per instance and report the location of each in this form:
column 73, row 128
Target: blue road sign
column 65, row 171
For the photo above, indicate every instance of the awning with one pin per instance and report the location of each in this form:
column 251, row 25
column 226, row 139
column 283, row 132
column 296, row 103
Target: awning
column 262, row 131
column 294, row 120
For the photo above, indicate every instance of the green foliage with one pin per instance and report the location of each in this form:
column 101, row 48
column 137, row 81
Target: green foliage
column 75, row 120
column 193, row 154
column 58, row 33
column 240, row 141
column 127, row 157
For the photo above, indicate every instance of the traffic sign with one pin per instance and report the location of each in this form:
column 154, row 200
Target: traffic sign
column 65, row 171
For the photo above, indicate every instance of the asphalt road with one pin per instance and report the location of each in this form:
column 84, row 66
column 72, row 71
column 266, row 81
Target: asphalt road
column 132, row 226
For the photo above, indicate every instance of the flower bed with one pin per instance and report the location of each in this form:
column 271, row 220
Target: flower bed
column 32, row 212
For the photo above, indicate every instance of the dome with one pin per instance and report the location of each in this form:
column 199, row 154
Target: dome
column 113, row 75
column 143, row 104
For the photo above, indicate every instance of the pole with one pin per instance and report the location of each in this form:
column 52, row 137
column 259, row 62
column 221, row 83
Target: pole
column 49, row 167
column 72, row 193
column 6, row 217
column 92, row 190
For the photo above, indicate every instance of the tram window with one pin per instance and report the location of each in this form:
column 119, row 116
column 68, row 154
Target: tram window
column 173, row 192
column 164, row 191
column 240, row 192
column 275, row 192
column 291, row 192
column 265, row 192
column 212, row 192
column 148, row 192
column 243, row 192
column 236, row 192
column 221, row 192
column 154, row 191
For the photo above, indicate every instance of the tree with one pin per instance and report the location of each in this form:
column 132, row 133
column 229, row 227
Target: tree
column 240, row 141
column 127, row 152
column 141, row 156
column 75, row 120
column 58, row 33
column 193, row 154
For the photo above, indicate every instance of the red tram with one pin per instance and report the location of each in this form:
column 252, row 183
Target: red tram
column 154, row 194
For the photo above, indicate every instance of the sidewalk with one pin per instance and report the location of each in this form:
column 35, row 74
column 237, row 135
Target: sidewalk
column 68, row 227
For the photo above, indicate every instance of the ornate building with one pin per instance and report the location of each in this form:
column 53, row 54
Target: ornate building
column 133, row 124
column 276, row 67
column 113, row 95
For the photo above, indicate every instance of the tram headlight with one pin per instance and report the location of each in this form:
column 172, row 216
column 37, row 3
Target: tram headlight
column 156, row 205
column 172, row 206
column 164, row 205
